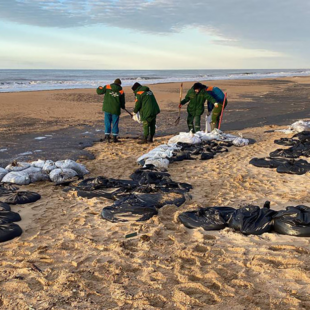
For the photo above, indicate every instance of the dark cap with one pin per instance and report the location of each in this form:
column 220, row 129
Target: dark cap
column 135, row 86
column 118, row 81
column 198, row 86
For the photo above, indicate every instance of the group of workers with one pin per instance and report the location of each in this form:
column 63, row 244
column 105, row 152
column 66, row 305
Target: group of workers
column 148, row 108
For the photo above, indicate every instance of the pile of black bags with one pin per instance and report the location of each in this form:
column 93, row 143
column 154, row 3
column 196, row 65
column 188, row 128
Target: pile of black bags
column 286, row 160
column 251, row 220
column 205, row 150
column 10, row 195
column 137, row 199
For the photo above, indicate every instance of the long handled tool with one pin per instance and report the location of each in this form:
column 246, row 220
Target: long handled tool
column 224, row 101
column 177, row 121
column 128, row 112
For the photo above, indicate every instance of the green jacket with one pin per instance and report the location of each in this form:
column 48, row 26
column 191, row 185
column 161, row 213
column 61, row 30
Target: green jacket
column 196, row 104
column 146, row 103
column 114, row 98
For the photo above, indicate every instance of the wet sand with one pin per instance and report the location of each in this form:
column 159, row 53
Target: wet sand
column 72, row 119
column 69, row 258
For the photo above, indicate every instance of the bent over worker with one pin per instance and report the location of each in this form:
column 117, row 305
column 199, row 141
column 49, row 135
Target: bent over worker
column 113, row 101
column 148, row 108
column 219, row 97
column 196, row 97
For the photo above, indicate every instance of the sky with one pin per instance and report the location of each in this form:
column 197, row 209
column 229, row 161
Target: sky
column 154, row 34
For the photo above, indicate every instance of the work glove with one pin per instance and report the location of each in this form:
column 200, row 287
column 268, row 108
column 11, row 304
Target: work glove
column 216, row 104
column 136, row 117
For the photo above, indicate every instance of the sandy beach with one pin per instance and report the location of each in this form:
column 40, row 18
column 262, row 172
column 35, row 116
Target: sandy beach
column 68, row 257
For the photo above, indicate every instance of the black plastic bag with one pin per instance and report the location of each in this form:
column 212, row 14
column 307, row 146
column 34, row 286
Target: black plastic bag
column 180, row 156
column 206, row 156
column 22, row 198
column 149, row 177
column 129, row 208
column 287, row 142
column 7, row 188
column 9, row 231
column 303, row 136
column 294, row 221
column 102, row 182
column 302, row 149
column 252, row 220
column 285, row 153
column 298, row 167
column 108, row 193
column 7, row 217
column 268, row 162
column 4, row 206
column 210, row 218
column 161, row 199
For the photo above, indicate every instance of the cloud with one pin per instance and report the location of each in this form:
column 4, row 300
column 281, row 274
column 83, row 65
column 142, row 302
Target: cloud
column 265, row 24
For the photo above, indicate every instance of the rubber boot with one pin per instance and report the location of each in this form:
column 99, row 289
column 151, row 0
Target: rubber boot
column 151, row 139
column 213, row 126
column 107, row 138
column 143, row 141
column 115, row 140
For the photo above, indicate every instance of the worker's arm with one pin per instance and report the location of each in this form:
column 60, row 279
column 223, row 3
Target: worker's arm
column 211, row 101
column 186, row 99
column 122, row 99
column 101, row 90
column 138, row 105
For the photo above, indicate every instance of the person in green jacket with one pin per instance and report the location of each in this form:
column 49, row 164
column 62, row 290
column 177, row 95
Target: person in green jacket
column 113, row 101
column 196, row 97
column 148, row 108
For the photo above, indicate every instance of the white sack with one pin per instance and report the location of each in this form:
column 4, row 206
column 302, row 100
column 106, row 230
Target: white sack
column 240, row 141
column 185, row 137
column 296, row 127
column 17, row 177
column 49, row 166
column 62, row 175
column 17, row 166
column 208, row 123
column 300, row 126
column 71, row 164
column 161, row 151
column 36, row 174
column 157, row 162
column 39, row 163
column 3, row 172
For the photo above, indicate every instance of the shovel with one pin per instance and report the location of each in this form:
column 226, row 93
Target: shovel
column 224, row 101
column 177, row 121
column 128, row 112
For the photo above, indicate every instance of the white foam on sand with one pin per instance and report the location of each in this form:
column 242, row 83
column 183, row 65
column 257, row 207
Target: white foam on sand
column 3, row 150
column 40, row 138
column 26, row 153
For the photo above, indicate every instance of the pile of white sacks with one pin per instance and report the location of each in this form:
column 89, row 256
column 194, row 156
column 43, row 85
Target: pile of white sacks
column 159, row 155
column 296, row 127
column 23, row 173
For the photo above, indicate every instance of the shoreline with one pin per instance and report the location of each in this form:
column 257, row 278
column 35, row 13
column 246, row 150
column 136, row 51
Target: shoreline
column 26, row 115
column 163, row 83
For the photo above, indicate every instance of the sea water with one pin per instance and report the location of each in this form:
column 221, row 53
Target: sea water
column 33, row 80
